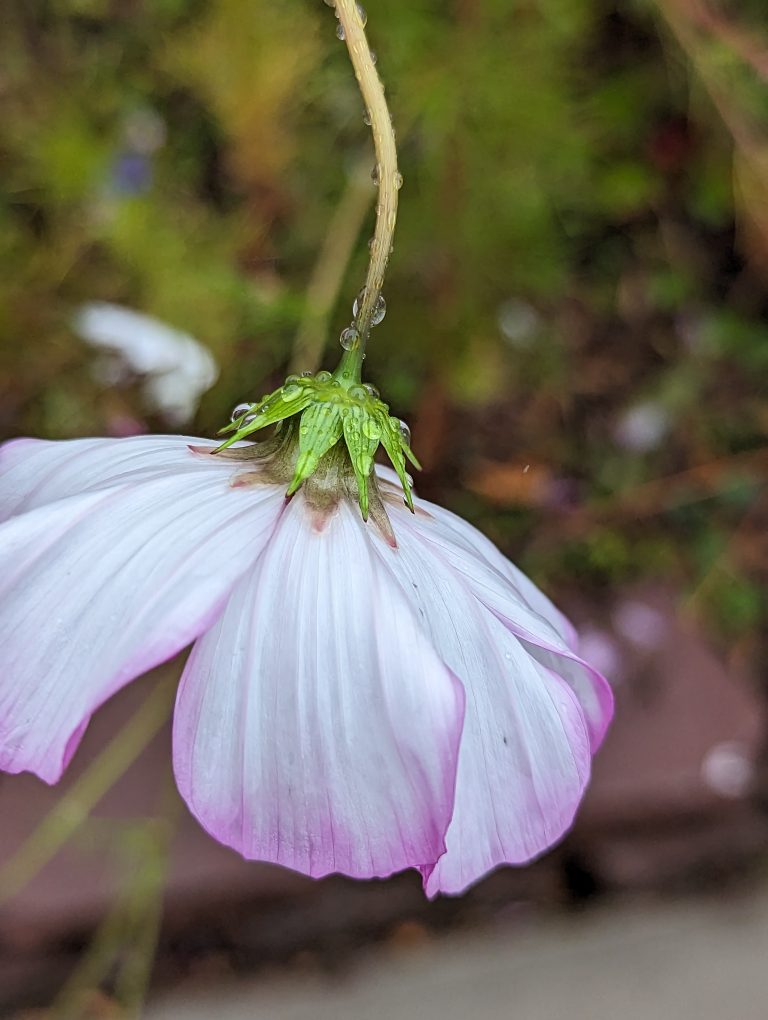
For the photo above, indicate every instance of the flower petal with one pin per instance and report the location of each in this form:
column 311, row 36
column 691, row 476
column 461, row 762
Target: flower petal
column 524, row 759
column 521, row 607
column 463, row 534
column 38, row 471
column 98, row 588
column 315, row 725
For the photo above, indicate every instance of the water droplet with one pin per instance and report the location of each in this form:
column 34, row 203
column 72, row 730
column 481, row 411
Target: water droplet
column 330, row 3
column 371, row 430
column 291, row 380
column 363, row 15
column 398, row 180
column 372, row 391
column 371, row 242
column 340, row 33
column 367, row 119
column 374, row 58
column 239, row 411
column 348, row 338
column 405, row 433
column 358, row 392
column 323, row 377
column 375, row 176
column 291, row 390
column 379, row 309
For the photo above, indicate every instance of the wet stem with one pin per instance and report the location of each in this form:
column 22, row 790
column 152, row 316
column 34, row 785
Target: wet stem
column 389, row 179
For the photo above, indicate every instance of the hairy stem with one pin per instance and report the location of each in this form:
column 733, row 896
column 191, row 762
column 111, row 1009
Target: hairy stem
column 386, row 161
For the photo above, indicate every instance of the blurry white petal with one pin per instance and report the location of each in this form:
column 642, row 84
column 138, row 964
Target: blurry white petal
column 179, row 368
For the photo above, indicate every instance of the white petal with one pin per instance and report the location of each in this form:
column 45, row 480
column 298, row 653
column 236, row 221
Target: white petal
column 315, row 725
column 524, row 758
column 98, row 588
column 34, row 472
column 499, row 586
column 178, row 368
column 472, row 540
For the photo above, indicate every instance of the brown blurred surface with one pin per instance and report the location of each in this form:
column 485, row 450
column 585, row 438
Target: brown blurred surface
column 678, row 960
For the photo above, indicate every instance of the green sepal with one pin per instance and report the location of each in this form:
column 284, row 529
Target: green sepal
column 393, row 442
column 320, row 429
column 410, row 455
column 362, row 435
column 331, row 406
column 291, row 398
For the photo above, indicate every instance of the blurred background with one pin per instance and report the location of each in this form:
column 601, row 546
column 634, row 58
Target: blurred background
column 577, row 333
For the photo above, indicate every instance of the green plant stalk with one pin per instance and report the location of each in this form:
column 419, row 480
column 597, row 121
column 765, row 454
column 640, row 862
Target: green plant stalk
column 61, row 823
column 389, row 179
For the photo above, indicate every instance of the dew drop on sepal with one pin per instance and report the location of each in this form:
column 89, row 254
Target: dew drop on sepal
column 239, row 411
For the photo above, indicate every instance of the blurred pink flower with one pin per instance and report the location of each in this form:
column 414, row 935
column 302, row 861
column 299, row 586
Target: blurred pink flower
column 350, row 704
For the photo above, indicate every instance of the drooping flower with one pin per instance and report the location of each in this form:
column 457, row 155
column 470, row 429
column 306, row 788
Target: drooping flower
column 366, row 692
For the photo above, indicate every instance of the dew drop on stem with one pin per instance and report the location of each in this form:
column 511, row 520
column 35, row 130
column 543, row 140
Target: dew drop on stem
column 348, row 338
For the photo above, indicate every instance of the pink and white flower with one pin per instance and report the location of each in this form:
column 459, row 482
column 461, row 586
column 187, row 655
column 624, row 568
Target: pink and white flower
column 352, row 703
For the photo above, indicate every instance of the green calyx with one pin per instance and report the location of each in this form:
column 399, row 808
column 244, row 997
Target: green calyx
column 332, row 407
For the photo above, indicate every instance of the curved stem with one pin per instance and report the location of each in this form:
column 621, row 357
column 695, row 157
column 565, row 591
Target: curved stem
column 386, row 161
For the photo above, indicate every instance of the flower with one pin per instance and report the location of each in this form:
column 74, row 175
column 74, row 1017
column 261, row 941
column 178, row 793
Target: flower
column 178, row 369
column 361, row 696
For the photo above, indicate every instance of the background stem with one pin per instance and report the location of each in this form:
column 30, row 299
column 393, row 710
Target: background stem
column 331, row 265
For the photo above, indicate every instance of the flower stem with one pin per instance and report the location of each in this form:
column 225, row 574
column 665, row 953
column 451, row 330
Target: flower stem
column 389, row 179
